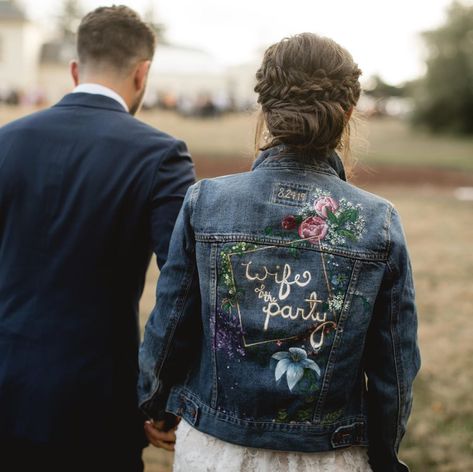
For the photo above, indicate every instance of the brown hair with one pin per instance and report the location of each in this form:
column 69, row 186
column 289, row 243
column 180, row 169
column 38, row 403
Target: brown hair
column 115, row 36
column 307, row 85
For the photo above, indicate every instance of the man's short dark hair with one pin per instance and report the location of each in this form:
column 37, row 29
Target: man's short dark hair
column 114, row 36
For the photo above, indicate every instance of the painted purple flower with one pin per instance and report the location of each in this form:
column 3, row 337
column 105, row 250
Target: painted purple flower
column 293, row 364
column 289, row 222
column 325, row 204
column 228, row 336
column 313, row 229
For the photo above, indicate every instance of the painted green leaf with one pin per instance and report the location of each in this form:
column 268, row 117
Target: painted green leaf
column 268, row 230
column 347, row 234
column 331, row 417
column 298, row 219
column 332, row 218
column 304, row 415
column 348, row 215
column 282, row 416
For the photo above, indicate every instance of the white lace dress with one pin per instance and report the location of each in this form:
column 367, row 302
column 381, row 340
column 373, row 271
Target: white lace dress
column 199, row 452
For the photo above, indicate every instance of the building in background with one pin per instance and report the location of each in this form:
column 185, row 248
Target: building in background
column 35, row 71
column 20, row 42
column 54, row 78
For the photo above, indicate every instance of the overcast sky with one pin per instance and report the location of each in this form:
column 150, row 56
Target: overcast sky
column 382, row 35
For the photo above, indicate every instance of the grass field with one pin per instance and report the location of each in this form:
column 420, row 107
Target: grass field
column 380, row 141
column 439, row 229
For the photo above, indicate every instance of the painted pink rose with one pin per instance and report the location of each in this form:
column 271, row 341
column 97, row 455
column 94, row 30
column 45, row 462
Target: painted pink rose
column 324, row 204
column 289, row 222
column 313, row 229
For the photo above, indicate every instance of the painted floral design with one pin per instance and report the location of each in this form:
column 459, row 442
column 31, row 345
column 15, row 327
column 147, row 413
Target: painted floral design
column 323, row 205
column 293, row 363
column 228, row 335
column 338, row 281
column 327, row 219
column 335, row 303
column 332, row 416
column 226, row 276
column 313, row 229
column 289, row 222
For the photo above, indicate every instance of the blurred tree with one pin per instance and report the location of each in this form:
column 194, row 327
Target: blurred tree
column 69, row 18
column 378, row 88
column 158, row 28
column 382, row 94
column 444, row 96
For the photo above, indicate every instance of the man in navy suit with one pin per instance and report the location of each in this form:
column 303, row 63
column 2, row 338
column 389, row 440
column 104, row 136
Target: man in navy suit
column 87, row 193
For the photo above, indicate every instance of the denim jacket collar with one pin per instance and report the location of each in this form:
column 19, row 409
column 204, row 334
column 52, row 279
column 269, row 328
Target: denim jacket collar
column 282, row 157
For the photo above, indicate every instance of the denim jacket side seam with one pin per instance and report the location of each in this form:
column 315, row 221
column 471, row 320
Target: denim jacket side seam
column 213, row 313
column 398, row 367
column 393, row 269
column 337, row 341
column 397, row 361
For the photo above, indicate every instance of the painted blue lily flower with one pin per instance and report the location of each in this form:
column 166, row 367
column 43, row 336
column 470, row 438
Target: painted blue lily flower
column 293, row 364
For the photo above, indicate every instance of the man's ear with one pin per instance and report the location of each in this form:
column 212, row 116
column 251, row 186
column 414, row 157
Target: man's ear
column 141, row 74
column 74, row 70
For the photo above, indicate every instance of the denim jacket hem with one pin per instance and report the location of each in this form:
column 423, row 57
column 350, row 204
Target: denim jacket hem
column 302, row 437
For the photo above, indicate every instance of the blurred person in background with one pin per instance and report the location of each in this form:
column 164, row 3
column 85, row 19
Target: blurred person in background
column 87, row 193
column 285, row 332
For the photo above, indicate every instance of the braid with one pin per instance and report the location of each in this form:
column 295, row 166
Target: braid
column 306, row 85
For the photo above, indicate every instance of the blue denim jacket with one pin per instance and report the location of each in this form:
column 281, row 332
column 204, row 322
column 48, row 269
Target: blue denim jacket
column 285, row 315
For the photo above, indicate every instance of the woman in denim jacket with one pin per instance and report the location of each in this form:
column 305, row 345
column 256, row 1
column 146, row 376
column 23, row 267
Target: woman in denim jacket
column 284, row 333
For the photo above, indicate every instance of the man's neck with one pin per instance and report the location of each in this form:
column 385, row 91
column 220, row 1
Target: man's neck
column 98, row 88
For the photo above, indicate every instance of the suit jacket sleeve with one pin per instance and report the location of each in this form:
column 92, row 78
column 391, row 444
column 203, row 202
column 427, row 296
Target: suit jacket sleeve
column 173, row 177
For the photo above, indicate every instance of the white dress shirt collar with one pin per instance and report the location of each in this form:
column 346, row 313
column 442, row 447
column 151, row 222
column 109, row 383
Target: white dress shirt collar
column 98, row 89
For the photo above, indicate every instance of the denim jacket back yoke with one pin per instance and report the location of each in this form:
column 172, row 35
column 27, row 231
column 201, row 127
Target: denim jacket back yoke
column 285, row 315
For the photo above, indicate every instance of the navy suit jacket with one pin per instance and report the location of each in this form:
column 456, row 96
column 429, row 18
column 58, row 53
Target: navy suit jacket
column 87, row 192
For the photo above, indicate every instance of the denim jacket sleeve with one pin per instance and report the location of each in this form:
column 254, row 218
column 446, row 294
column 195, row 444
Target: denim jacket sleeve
column 175, row 322
column 392, row 357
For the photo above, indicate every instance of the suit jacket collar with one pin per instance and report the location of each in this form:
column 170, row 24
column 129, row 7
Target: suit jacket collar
column 91, row 101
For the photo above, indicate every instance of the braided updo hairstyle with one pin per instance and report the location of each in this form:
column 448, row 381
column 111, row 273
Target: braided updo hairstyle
column 307, row 86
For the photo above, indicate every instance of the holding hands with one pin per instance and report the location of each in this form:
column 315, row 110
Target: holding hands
column 162, row 433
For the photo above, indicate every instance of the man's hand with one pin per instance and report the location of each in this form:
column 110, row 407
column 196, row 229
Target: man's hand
column 159, row 434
